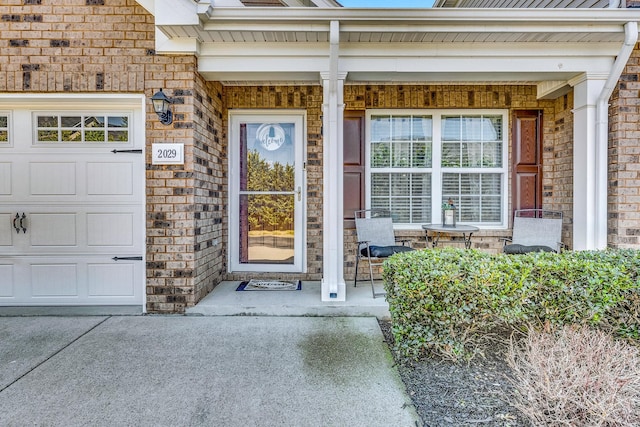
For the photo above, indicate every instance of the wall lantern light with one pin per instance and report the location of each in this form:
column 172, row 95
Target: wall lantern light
column 161, row 106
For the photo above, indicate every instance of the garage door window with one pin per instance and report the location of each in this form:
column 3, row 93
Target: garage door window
column 4, row 128
column 76, row 128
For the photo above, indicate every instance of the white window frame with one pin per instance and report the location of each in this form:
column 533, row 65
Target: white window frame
column 437, row 170
column 9, row 129
column 83, row 143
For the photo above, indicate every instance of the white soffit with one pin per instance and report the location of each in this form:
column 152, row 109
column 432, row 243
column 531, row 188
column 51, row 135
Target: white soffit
column 399, row 45
column 294, row 25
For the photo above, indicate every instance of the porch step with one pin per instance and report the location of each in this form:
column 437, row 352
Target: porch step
column 224, row 300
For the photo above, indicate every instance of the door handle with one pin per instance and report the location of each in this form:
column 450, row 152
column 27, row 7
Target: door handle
column 299, row 194
column 15, row 226
column 23, row 220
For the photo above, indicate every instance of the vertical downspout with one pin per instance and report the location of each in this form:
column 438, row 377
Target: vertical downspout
column 602, row 133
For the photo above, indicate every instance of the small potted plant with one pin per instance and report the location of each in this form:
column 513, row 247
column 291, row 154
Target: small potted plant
column 448, row 214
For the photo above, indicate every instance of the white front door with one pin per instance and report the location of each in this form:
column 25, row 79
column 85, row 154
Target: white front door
column 267, row 189
column 71, row 207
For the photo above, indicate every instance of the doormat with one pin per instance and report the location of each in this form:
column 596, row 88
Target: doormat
column 269, row 285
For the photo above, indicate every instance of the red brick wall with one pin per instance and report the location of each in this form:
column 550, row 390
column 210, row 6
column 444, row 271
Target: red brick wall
column 186, row 204
column 624, row 158
column 54, row 46
column 558, row 164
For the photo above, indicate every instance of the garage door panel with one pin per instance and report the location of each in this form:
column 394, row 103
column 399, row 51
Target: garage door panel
column 80, row 201
column 105, row 179
column 100, row 179
column 53, row 229
column 6, row 229
column 111, row 280
column 52, row 179
column 70, row 280
column 6, row 281
column 110, row 229
column 5, row 179
column 73, row 229
column 54, row 280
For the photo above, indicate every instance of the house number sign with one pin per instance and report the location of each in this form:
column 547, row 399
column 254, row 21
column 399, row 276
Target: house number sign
column 167, row 154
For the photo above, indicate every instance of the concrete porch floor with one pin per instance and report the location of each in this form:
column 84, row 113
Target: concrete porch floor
column 224, row 300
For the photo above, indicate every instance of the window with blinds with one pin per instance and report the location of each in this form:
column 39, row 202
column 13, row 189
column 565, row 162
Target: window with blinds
column 401, row 162
column 418, row 160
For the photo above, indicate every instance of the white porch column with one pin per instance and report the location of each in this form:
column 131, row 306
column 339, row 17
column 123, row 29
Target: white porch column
column 333, row 286
column 589, row 208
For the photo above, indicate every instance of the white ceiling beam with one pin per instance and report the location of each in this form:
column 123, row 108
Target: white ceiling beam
column 414, row 49
column 534, row 68
column 263, row 64
column 478, row 28
column 261, row 79
column 261, row 26
column 478, row 64
column 479, row 49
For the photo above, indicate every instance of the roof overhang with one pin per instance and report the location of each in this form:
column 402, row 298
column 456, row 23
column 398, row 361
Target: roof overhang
column 292, row 45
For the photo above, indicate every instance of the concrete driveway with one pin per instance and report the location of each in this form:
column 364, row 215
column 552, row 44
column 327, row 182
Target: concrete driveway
column 198, row 371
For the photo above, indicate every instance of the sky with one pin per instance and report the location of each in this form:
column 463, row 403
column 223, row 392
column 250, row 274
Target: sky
column 386, row 3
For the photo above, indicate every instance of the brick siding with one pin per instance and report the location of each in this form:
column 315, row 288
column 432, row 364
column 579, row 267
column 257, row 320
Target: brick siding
column 624, row 158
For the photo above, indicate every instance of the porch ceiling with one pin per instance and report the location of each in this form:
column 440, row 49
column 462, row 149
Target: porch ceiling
column 305, row 25
column 278, row 45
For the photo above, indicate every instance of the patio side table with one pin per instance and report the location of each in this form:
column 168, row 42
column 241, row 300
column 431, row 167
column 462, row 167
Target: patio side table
column 438, row 230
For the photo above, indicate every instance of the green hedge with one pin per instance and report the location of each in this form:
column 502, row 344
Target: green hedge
column 443, row 300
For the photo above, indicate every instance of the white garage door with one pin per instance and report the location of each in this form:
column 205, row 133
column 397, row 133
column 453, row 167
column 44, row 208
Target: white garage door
column 71, row 206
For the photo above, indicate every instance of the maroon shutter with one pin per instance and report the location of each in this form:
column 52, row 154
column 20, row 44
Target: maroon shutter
column 527, row 160
column 354, row 165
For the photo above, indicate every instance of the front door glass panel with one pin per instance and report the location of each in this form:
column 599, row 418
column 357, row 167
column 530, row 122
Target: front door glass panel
column 267, row 227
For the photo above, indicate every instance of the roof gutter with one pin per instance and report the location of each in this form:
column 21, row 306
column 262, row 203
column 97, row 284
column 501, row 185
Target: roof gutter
column 602, row 128
column 423, row 17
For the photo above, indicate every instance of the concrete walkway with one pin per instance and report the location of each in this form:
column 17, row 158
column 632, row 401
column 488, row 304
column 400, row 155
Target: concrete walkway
column 198, row 371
